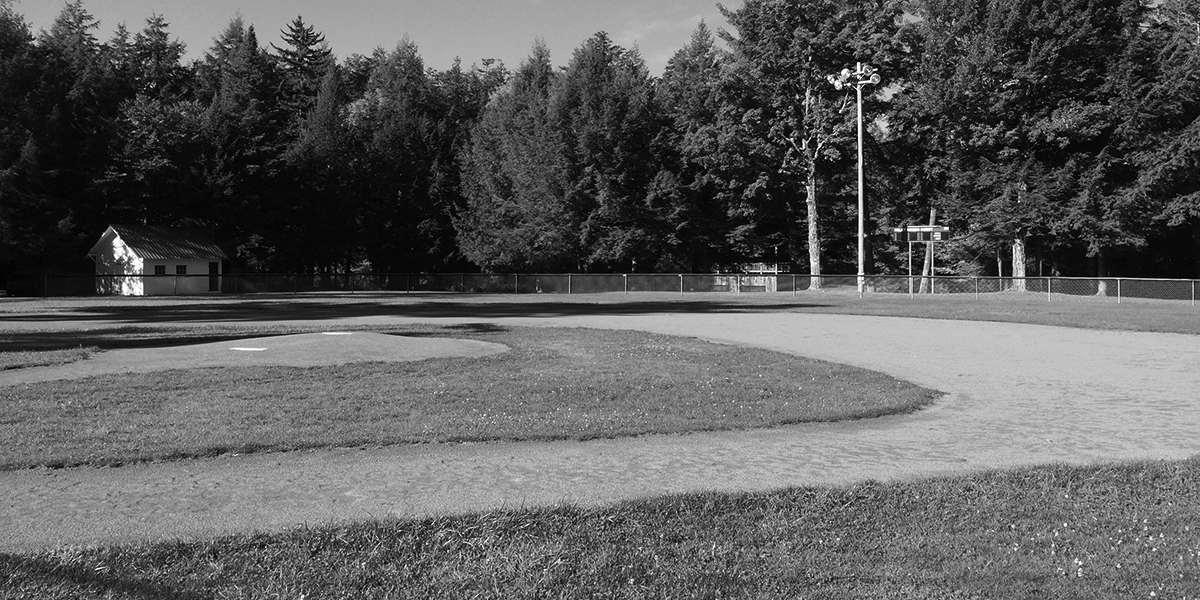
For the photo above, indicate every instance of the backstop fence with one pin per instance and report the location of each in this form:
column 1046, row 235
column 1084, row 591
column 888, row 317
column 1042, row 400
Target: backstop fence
column 1053, row 289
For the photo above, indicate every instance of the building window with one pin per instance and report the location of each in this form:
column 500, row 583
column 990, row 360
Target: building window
column 160, row 269
column 181, row 269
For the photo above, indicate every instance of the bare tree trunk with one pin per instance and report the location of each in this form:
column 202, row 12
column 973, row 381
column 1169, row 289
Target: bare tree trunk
column 814, row 230
column 1018, row 263
column 927, row 269
column 809, row 147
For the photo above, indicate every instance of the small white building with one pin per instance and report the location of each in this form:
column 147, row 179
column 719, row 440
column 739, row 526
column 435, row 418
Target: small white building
column 143, row 260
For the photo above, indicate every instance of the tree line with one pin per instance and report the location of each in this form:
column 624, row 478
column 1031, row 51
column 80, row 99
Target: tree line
column 1055, row 138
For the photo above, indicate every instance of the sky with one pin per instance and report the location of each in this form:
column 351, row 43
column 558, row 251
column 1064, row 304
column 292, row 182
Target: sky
column 442, row 29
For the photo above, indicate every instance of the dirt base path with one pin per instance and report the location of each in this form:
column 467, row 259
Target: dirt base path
column 1017, row 395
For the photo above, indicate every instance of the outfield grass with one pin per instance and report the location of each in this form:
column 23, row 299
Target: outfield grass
column 1126, row 531
column 1031, row 308
column 552, row 384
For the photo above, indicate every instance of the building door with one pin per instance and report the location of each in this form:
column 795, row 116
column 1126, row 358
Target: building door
column 214, row 282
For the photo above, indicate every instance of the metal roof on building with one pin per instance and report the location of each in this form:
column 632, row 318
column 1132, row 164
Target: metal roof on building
column 165, row 243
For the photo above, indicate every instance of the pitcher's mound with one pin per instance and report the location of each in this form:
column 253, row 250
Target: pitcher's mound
column 303, row 350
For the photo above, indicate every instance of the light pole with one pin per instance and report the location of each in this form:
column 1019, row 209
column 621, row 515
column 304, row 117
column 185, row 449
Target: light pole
column 862, row 75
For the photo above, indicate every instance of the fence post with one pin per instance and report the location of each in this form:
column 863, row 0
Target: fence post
column 976, row 287
column 625, row 276
column 516, row 284
column 681, row 284
column 1193, row 292
column 1118, row 290
column 1049, row 296
column 568, row 284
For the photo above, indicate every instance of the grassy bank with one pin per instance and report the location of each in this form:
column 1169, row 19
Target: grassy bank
column 1127, row 531
column 552, row 384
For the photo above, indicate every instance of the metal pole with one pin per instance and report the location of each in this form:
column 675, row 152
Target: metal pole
column 681, row 284
column 1049, row 296
column 909, row 276
column 861, row 250
column 1118, row 290
column 977, row 288
column 568, row 284
column 932, row 270
column 626, row 277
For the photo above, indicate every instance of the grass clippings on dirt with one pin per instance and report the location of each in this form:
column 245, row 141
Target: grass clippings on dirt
column 1123, row 531
column 552, row 384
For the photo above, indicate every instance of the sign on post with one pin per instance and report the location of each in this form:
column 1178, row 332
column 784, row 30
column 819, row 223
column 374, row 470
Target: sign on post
column 920, row 233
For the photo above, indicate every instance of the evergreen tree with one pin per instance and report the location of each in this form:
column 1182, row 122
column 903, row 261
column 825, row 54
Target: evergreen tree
column 157, row 68
column 685, row 193
column 1167, row 111
column 68, row 124
column 153, row 177
column 210, row 69
column 392, row 126
column 20, row 206
column 603, row 108
column 516, row 216
column 321, row 206
column 243, row 148
column 303, row 62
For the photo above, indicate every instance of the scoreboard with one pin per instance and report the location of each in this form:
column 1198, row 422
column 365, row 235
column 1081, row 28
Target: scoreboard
column 921, row 233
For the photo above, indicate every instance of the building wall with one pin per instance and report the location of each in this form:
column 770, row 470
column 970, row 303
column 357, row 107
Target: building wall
column 118, row 259
column 196, row 281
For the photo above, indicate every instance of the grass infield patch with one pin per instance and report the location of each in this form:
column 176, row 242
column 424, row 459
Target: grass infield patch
column 552, row 384
column 1118, row 531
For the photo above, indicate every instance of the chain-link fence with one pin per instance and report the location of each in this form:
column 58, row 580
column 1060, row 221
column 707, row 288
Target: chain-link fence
column 1052, row 289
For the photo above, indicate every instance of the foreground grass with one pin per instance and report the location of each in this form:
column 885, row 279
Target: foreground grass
column 552, row 384
column 1126, row 531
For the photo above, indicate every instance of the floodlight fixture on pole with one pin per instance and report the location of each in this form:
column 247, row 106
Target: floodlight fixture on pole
column 860, row 76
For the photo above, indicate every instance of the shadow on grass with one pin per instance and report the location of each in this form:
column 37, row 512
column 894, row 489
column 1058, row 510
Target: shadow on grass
column 38, row 577
column 292, row 308
column 125, row 338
